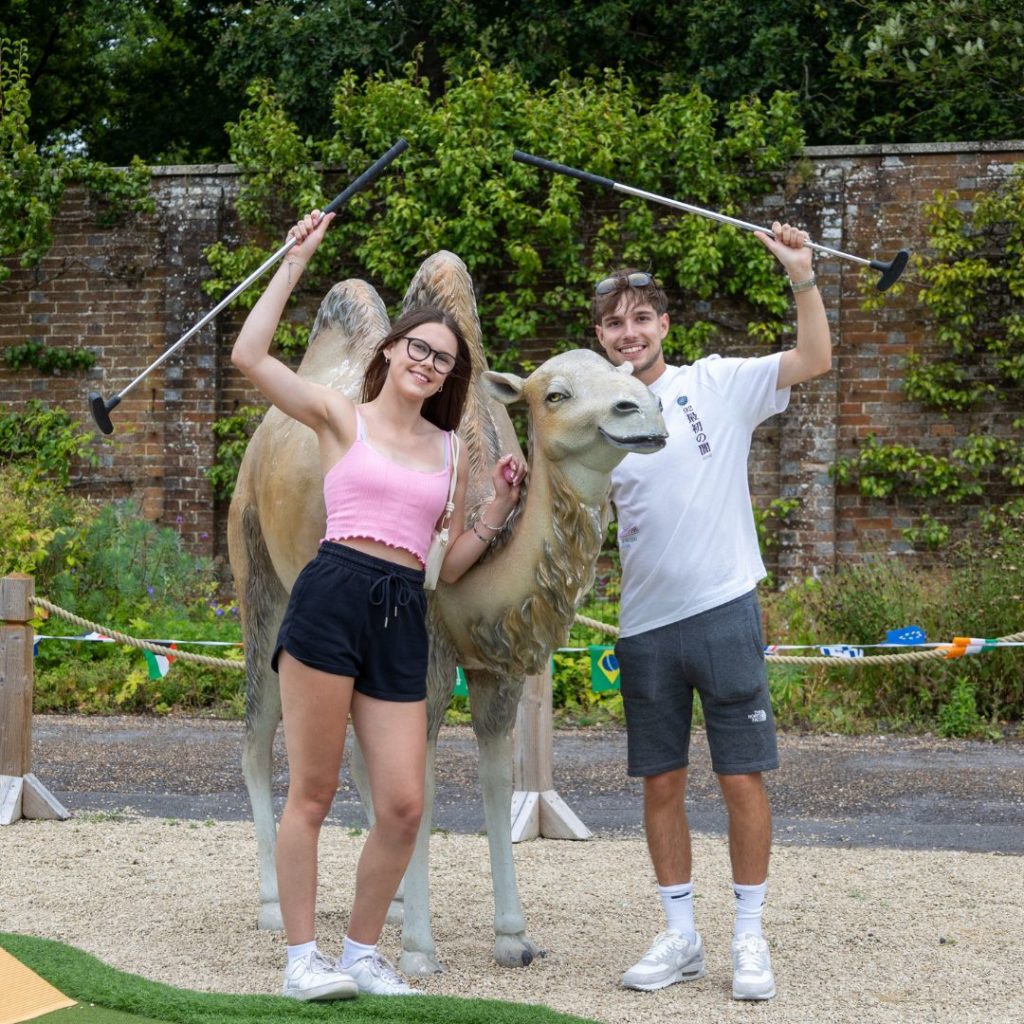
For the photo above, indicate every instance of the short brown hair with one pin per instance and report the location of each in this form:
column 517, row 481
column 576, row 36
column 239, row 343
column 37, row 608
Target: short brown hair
column 443, row 408
column 650, row 294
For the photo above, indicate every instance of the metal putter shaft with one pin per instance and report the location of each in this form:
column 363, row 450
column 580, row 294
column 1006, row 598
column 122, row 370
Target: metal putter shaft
column 890, row 269
column 101, row 409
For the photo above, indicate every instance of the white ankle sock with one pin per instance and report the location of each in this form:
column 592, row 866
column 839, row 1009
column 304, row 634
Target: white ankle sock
column 352, row 951
column 750, row 901
column 294, row 952
column 677, row 901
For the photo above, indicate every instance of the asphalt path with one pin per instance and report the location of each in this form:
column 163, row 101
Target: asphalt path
column 905, row 792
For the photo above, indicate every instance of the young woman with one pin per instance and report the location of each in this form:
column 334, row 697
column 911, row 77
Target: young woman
column 353, row 640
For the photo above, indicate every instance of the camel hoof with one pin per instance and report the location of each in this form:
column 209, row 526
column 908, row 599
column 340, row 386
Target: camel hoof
column 396, row 912
column 419, row 965
column 270, row 919
column 516, row 951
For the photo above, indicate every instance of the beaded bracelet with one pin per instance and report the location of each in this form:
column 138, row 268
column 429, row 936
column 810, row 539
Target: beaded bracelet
column 803, row 286
column 486, row 540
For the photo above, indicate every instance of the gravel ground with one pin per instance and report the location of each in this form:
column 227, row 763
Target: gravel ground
column 858, row 935
column 895, row 896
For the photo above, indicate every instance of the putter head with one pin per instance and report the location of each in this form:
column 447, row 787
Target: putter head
column 101, row 411
column 890, row 271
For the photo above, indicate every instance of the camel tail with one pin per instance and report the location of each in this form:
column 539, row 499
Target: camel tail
column 263, row 607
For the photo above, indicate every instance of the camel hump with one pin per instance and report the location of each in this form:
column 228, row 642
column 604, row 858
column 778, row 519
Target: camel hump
column 350, row 323
column 443, row 281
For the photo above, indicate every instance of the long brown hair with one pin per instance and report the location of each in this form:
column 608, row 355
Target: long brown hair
column 443, row 408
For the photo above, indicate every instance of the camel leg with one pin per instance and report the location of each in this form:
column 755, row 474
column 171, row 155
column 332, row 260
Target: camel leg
column 493, row 707
column 262, row 600
column 257, row 768
column 419, row 957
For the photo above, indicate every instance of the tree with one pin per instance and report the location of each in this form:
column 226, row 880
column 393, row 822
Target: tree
column 116, row 78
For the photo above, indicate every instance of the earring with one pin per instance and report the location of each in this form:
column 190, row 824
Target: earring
column 440, row 389
column 387, row 360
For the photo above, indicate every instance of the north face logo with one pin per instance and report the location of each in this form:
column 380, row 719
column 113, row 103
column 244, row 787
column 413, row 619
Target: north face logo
column 760, row 715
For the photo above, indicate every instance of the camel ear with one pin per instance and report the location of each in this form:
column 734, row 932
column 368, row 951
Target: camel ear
column 507, row 388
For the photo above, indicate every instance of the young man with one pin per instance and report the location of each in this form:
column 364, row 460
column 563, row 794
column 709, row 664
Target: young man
column 689, row 617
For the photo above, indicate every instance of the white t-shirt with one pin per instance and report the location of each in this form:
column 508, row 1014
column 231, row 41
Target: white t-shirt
column 686, row 528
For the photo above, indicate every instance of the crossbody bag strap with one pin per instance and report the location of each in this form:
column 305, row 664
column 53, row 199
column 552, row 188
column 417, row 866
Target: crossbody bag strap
column 450, row 506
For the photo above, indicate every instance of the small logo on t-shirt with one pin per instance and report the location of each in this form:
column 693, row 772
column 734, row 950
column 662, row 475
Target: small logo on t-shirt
column 760, row 715
column 629, row 535
column 696, row 426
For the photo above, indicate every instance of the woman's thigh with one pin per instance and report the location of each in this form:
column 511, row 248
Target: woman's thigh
column 315, row 708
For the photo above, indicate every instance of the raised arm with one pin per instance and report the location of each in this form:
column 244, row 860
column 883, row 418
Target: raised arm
column 812, row 354
column 301, row 399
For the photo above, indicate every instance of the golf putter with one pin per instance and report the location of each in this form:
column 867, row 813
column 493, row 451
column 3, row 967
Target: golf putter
column 889, row 269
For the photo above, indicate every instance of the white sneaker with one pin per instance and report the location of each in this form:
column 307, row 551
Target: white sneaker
column 313, row 976
column 671, row 958
column 376, row 976
column 752, row 976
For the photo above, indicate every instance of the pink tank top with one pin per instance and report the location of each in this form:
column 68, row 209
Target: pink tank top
column 370, row 497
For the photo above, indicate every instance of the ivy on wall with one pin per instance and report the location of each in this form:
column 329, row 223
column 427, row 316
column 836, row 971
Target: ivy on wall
column 973, row 293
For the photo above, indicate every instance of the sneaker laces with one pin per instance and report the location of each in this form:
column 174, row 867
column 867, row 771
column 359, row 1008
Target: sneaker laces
column 317, row 959
column 385, row 969
column 749, row 954
column 666, row 943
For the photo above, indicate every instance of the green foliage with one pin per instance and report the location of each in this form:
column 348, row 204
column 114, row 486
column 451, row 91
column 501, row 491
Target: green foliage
column 48, row 359
column 34, row 513
column 44, row 442
column 32, row 181
column 929, row 71
column 532, row 242
column 233, row 433
column 859, row 604
column 769, row 519
column 126, row 565
column 161, row 78
column 959, row 715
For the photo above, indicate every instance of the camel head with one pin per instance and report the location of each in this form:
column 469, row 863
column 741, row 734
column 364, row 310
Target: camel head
column 586, row 415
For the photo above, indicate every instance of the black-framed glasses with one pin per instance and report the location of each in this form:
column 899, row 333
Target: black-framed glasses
column 638, row 279
column 418, row 349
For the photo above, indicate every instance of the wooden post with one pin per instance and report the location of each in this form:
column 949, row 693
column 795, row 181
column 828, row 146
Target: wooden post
column 22, row 795
column 537, row 810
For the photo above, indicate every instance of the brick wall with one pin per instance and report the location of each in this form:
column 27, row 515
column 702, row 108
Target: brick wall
column 128, row 293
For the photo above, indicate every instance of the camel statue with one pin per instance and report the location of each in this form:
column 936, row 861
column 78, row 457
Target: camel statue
column 501, row 620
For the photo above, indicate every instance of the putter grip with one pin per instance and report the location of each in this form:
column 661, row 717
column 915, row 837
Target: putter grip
column 572, row 172
column 367, row 176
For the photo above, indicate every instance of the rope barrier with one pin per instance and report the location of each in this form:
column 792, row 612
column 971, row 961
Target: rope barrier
column 959, row 646
column 145, row 645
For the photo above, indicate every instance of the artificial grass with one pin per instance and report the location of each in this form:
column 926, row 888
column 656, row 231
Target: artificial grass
column 81, row 976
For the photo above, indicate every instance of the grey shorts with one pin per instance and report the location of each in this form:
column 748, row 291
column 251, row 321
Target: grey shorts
column 720, row 654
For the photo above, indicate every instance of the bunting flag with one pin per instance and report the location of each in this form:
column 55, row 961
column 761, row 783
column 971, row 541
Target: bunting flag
column 604, row 668
column 159, row 664
column 461, row 689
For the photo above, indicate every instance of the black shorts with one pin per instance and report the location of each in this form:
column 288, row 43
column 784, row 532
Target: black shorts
column 352, row 614
column 720, row 654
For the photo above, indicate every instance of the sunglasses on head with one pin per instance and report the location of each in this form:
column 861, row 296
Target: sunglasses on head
column 638, row 279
